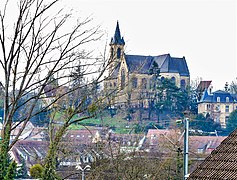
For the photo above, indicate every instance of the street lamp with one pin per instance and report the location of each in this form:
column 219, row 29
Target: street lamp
column 86, row 168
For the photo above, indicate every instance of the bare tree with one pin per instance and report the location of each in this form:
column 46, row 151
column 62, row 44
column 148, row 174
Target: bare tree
column 37, row 47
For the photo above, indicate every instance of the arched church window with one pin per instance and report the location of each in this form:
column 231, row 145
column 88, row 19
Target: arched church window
column 173, row 80
column 134, row 82
column 144, row 83
column 118, row 53
column 152, row 83
column 182, row 84
column 122, row 79
column 112, row 52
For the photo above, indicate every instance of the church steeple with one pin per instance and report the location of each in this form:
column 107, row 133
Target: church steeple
column 116, row 49
column 117, row 40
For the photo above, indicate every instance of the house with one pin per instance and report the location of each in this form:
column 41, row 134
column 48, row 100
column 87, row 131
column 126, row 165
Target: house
column 53, row 91
column 218, row 105
column 134, row 75
column 77, row 147
column 221, row 163
column 202, row 87
column 167, row 141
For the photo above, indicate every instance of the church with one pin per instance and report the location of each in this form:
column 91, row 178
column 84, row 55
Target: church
column 131, row 77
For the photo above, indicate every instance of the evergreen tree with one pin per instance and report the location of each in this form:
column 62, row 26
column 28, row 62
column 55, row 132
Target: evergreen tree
column 170, row 98
column 231, row 123
column 11, row 171
column 22, row 169
column 5, row 160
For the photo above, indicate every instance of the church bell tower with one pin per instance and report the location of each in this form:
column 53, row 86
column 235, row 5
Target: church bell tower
column 116, row 49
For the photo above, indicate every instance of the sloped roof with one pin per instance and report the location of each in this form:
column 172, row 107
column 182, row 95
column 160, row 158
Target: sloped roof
column 212, row 98
column 158, row 137
column 166, row 63
column 203, row 85
column 139, row 64
column 142, row 64
column 221, row 163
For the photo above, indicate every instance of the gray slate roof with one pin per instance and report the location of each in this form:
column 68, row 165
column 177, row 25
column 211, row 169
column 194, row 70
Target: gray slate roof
column 212, row 98
column 142, row 64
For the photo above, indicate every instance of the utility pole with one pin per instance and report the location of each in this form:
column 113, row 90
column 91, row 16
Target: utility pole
column 186, row 123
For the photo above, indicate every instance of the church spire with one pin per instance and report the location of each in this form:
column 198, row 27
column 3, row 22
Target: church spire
column 117, row 37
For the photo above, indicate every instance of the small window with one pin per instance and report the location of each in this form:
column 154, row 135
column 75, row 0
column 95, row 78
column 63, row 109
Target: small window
column 208, row 106
column 227, row 109
column 218, row 99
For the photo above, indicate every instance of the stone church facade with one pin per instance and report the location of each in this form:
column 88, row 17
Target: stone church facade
column 130, row 78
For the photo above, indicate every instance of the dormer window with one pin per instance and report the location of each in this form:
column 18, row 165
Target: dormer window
column 227, row 99
column 218, row 99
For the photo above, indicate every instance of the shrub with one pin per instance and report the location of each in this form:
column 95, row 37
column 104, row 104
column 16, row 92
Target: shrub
column 36, row 171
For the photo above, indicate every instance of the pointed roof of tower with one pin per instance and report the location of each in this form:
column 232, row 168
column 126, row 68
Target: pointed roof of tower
column 117, row 37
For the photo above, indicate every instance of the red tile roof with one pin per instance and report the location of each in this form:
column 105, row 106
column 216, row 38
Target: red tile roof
column 159, row 139
column 203, row 85
column 221, row 163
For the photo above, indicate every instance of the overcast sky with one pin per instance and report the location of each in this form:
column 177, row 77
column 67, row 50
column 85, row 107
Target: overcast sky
column 204, row 31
